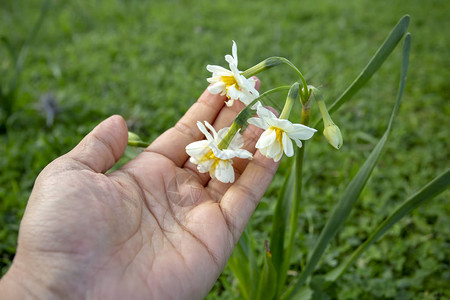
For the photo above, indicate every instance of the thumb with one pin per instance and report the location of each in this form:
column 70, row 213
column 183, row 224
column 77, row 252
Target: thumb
column 103, row 146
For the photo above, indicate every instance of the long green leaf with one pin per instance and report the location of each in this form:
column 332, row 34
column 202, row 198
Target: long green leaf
column 355, row 187
column 253, row 264
column 12, row 52
column 227, row 287
column 244, row 265
column 239, row 264
column 373, row 65
column 293, row 217
column 431, row 190
column 266, row 287
column 8, row 104
column 280, row 221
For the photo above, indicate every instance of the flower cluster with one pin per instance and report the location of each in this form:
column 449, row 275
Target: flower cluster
column 210, row 158
column 278, row 134
column 215, row 154
column 231, row 82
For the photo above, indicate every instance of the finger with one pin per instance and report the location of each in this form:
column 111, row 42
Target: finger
column 172, row 143
column 102, row 147
column 242, row 197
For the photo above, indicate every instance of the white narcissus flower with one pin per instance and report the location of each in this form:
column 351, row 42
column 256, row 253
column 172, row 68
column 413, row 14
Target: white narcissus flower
column 209, row 158
column 231, row 82
column 278, row 133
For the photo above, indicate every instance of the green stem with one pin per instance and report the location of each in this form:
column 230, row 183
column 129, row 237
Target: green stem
column 293, row 221
column 138, row 144
column 225, row 142
column 275, row 61
column 266, row 64
column 327, row 121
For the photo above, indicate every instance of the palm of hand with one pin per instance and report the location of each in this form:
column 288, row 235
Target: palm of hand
column 154, row 228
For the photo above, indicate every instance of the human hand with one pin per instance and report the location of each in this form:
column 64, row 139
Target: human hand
column 156, row 228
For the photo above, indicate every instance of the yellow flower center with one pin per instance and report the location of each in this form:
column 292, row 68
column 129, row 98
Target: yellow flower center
column 208, row 156
column 229, row 81
column 279, row 135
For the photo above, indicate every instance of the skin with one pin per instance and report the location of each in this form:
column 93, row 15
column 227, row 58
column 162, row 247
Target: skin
column 154, row 229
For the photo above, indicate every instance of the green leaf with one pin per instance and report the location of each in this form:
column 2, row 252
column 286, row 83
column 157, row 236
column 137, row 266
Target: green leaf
column 305, row 293
column 280, row 223
column 293, row 217
column 5, row 41
column 227, row 286
column 353, row 190
column 243, row 264
column 373, row 65
column 267, row 280
column 253, row 264
column 431, row 190
column 238, row 264
column 8, row 105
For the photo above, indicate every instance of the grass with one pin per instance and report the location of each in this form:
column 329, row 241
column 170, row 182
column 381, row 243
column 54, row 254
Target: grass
column 146, row 61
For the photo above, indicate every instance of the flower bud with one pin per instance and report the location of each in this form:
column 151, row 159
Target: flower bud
column 333, row 134
column 133, row 137
column 135, row 140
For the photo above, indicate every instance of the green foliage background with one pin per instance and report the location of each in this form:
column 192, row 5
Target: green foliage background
column 146, row 61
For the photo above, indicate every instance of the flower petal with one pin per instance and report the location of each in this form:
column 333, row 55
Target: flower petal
column 287, row 145
column 256, row 105
column 204, row 131
column 198, row 149
column 217, row 87
column 298, row 143
column 275, row 151
column 237, row 141
column 248, row 84
column 234, row 69
column 246, row 97
column 267, row 138
column 214, row 132
column 230, row 60
column 242, row 153
column 229, row 102
column 278, row 157
column 264, row 113
column 221, row 134
column 224, row 172
column 258, row 122
column 300, row 131
column 233, row 92
column 234, row 52
column 221, row 154
column 205, row 166
column 218, row 71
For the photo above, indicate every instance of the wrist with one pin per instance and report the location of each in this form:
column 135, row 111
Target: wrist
column 12, row 287
column 20, row 283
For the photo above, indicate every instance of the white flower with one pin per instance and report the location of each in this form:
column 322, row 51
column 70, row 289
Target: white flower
column 278, row 133
column 209, row 158
column 231, row 82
